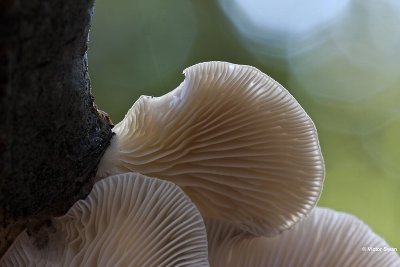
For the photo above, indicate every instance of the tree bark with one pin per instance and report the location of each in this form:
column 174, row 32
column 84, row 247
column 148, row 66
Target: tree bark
column 52, row 135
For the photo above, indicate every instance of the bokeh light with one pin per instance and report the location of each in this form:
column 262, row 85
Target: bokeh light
column 276, row 28
column 357, row 68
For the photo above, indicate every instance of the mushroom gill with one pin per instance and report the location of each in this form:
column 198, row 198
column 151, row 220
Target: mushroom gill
column 126, row 220
column 324, row 239
column 236, row 141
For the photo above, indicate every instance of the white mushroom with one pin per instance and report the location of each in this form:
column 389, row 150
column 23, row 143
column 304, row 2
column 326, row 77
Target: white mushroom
column 234, row 139
column 325, row 239
column 126, row 220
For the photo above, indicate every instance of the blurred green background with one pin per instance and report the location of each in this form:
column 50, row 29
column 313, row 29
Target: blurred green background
column 339, row 58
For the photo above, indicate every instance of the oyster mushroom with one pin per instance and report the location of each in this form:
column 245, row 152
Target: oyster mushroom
column 324, row 239
column 126, row 220
column 236, row 141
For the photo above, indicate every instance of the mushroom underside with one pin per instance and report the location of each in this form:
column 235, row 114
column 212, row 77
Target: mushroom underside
column 126, row 220
column 236, row 141
column 325, row 238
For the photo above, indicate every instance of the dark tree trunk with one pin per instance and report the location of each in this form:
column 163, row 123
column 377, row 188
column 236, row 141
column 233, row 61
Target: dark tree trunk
column 52, row 136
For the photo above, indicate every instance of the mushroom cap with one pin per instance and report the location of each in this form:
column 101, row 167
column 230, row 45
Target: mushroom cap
column 324, row 239
column 234, row 139
column 126, row 220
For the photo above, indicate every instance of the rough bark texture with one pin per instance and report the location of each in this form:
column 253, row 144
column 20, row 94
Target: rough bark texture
column 52, row 136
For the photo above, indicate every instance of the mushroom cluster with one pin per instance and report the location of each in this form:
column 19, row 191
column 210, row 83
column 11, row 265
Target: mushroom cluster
column 237, row 173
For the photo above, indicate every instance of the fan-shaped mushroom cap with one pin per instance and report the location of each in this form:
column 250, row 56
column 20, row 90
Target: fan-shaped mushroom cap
column 126, row 220
column 234, row 139
column 325, row 239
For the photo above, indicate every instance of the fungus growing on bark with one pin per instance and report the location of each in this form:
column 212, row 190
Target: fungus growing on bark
column 236, row 141
column 246, row 154
column 324, row 239
column 126, row 220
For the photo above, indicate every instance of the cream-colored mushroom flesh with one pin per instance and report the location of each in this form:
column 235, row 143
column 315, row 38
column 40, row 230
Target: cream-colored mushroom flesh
column 126, row 220
column 234, row 139
column 325, row 239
